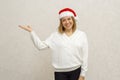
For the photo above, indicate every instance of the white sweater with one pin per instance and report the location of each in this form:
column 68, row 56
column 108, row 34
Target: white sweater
column 69, row 52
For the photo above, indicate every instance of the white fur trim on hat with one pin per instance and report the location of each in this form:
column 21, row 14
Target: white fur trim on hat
column 66, row 13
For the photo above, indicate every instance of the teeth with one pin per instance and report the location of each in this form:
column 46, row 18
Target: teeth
column 68, row 24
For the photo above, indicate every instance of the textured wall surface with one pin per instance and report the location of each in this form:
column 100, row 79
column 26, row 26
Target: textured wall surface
column 20, row 60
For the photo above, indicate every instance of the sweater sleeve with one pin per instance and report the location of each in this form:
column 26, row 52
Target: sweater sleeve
column 84, row 66
column 37, row 42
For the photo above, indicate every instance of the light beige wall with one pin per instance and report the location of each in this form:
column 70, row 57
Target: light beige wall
column 20, row 60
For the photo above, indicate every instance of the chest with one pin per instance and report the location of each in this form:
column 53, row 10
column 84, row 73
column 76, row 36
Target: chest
column 63, row 41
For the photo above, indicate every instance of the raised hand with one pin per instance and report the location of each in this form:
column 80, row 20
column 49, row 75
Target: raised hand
column 27, row 28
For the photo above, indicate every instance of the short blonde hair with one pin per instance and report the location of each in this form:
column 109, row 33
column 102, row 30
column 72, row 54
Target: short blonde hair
column 61, row 29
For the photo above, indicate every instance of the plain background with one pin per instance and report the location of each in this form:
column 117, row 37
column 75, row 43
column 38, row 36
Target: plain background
column 20, row 60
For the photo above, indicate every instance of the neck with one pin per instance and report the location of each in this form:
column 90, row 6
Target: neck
column 68, row 31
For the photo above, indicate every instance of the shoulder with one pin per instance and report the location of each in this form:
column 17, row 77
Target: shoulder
column 80, row 32
column 54, row 34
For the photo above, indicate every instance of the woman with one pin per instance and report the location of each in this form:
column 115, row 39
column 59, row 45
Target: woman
column 69, row 46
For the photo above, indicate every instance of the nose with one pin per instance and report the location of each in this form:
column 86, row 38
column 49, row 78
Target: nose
column 67, row 21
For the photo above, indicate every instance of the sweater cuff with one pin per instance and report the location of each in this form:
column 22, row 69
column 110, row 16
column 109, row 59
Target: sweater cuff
column 32, row 32
column 82, row 73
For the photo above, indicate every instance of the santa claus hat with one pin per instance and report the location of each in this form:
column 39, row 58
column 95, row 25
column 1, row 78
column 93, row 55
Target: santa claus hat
column 67, row 12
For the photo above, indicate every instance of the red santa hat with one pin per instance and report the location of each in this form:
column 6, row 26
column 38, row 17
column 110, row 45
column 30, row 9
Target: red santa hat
column 67, row 12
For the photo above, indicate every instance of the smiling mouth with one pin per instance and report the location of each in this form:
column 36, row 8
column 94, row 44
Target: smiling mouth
column 69, row 25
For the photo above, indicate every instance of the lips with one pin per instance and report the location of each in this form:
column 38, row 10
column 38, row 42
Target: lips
column 68, row 25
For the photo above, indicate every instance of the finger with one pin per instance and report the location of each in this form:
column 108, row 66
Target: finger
column 28, row 26
column 20, row 26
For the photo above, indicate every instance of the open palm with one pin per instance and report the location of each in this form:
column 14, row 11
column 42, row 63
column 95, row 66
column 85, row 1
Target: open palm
column 27, row 28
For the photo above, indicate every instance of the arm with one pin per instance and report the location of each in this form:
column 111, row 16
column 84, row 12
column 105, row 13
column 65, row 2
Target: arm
column 37, row 42
column 84, row 66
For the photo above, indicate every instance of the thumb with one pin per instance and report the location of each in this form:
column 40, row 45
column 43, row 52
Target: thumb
column 28, row 26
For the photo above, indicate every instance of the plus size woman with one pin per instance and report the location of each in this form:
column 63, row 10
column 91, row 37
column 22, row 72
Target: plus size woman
column 69, row 47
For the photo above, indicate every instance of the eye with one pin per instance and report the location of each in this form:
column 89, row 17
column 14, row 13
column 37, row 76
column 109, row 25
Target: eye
column 63, row 20
column 69, row 18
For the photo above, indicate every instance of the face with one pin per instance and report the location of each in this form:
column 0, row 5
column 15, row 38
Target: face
column 67, row 22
